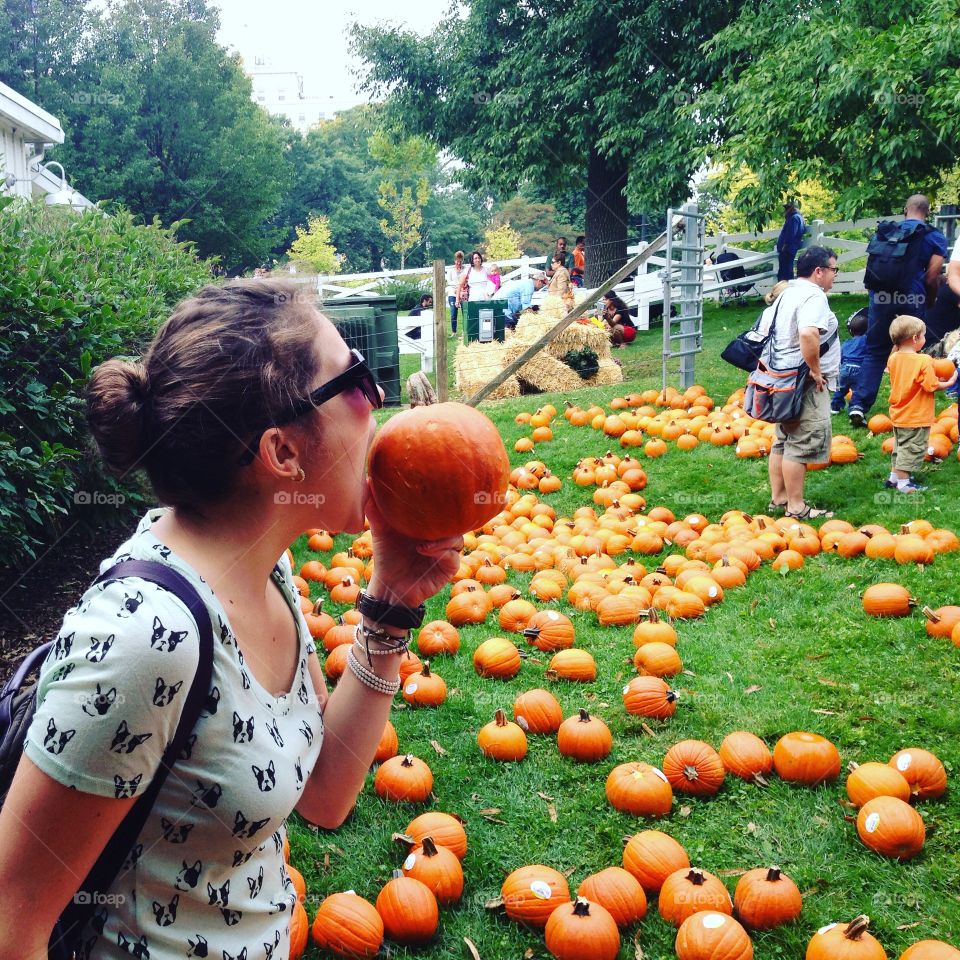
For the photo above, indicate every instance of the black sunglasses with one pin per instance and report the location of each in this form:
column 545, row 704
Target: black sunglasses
column 358, row 376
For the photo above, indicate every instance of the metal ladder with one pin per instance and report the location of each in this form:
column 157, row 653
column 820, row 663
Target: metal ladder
column 683, row 284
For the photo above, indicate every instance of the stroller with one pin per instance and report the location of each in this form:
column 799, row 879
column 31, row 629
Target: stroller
column 733, row 294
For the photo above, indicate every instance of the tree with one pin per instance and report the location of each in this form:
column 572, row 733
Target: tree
column 858, row 95
column 502, row 242
column 404, row 206
column 313, row 247
column 558, row 94
column 538, row 224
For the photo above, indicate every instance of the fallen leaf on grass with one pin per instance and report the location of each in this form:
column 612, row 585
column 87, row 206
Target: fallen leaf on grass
column 552, row 811
column 688, row 673
column 528, row 953
column 828, row 683
column 754, row 604
column 825, row 713
column 729, row 675
column 751, row 828
column 590, row 696
column 908, row 926
column 495, row 904
column 866, row 718
column 685, row 811
column 336, row 850
column 773, row 623
column 637, row 951
column 436, row 746
column 474, row 952
column 815, row 656
column 326, row 861
column 570, row 871
column 731, row 873
column 753, row 688
column 543, row 796
column 490, row 811
column 646, row 729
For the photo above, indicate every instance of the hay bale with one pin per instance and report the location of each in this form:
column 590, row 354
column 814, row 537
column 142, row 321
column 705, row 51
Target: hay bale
column 579, row 336
column 548, row 374
column 608, row 374
column 476, row 364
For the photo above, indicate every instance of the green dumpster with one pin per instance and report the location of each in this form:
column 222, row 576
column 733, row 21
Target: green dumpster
column 485, row 320
column 369, row 324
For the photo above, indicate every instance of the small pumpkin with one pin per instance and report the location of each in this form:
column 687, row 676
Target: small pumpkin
column 299, row 931
column 887, row 600
column 497, row 658
column 639, row 789
column 408, row 909
column 348, row 926
column 650, row 697
column 407, row 779
column 940, row 622
column 425, row 688
column 694, row 767
column 930, row 950
column 869, row 780
column 922, row 770
column 471, row 606
column 573, row 664
column 549, row 630
column 651, row 856
column 584, row 738
column 531, row 893
column 746, row 756
column 515, row 615
column 707, row 935
column 767, row 898
column 582, row 929
column 617, row 891
column 445, row 828
column 657, row 660
column 891, row 827
column 806, row 758
column 689, row 890
column 654, row 630
column 389, row 744
column 851, row 941
column 502, row 740
column 438, row 868
column 538, row 711
column 438, row 637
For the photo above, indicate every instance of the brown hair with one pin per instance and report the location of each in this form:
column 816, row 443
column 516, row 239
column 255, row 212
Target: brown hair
column 905, row 327
column 226, row 361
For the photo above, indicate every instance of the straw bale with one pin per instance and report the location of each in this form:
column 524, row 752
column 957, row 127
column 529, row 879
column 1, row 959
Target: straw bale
column 579, row 336
column 608, row 374
column 548, row 374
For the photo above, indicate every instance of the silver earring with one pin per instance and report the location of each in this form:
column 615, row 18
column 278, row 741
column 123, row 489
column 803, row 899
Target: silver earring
column 301, row 476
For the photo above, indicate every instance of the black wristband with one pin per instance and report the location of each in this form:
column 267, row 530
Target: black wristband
column 392, row 614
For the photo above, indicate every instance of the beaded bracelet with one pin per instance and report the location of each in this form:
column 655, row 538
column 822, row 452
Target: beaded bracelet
column 370, row 679
column 400, row 644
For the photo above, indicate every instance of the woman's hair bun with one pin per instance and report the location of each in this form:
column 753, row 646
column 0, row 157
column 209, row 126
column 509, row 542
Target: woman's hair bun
column 118, row 413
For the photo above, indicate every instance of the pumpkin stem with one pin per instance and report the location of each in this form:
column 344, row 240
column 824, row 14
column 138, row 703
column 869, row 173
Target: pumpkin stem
column 761, row 523
column 584, row 716
column 904, row 528
column 774, row 873
column 318, row 607
column 581, row 908
column 672, row 696
column 652, row 616
column 696, row 877
column 425, row 669
column 407, row 761
column 532, row 633
column 691, row 772
column 852, row 765
column 429, row 847
column 857, row 927
column 339, row 619
column 501, row 718
column 931, row 615
column 396, row 874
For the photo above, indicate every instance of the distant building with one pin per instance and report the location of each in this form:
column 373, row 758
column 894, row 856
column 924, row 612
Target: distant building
column 280, row 93
column 26, row 131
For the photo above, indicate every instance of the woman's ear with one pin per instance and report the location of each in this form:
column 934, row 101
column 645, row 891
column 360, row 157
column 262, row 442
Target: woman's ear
column 279, row 453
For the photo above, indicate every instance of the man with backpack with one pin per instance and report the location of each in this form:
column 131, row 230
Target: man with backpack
column 790, row 239
column 904, row 260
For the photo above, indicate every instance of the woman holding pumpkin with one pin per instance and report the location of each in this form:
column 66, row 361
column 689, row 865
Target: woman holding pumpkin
column 251, row 418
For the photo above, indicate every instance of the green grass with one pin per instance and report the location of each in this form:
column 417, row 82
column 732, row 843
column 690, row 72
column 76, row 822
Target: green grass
column 871, row 686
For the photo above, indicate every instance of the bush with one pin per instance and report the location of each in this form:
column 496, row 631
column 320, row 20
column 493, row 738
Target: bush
column 407, row 290
column 75, row 291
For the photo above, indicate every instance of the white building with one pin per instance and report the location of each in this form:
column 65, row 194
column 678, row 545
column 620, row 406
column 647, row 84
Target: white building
column 280, row 93
column 26, row 131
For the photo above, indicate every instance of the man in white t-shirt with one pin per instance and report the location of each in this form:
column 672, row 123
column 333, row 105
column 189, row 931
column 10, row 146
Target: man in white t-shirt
column 805, row 324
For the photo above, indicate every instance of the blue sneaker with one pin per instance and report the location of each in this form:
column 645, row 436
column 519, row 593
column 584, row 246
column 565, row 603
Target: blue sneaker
column 857, row 419
column 910, row 487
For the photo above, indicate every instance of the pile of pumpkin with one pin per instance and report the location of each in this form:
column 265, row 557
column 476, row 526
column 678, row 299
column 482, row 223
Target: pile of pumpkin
column 653, row 419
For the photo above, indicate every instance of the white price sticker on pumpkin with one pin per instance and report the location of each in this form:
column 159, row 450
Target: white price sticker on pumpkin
column 541, row 889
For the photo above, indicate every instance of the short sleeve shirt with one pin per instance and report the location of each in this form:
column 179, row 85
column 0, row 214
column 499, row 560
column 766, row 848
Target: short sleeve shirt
column 913, row 382
column 804, row 304
column 206, row 876
column 934, row 243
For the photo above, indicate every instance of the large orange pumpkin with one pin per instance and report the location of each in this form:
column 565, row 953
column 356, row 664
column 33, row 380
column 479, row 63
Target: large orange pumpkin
column 923, row 771
column 767, row 897
column 538, row 711
column 694, row 767
column 707, row 935
column 530, row 894
column 930, row 950
column 438, row 471
column 348, row 926
column 688, row 891
column 582, row 929
column 891, row 827
column 651, row 856
column 746, row 756
column 639, row 789
column 806, row 758
column 851, row 941
column 617, row 891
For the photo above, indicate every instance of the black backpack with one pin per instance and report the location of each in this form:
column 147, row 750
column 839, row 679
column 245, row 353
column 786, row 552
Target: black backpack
column 893, row 256
column 18, row 704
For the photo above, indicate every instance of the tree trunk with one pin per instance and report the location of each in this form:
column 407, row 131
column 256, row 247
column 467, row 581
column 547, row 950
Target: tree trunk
column 606, row 218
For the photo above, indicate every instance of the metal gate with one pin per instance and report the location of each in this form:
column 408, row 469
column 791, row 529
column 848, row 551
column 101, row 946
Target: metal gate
column 683, row 285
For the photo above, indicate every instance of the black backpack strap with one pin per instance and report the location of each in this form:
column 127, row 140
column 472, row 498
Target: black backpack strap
column 108, row 864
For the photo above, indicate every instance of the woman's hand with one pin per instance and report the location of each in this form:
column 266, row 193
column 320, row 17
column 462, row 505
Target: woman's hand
column 408, row 571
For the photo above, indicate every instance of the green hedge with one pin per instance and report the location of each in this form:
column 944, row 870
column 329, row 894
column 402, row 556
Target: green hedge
column 74, row 290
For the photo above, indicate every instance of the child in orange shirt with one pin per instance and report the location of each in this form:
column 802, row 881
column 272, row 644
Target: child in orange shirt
column 913, row 383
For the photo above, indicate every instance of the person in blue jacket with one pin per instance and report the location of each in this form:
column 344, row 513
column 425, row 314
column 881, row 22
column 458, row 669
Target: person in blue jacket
column 851, row 356
column 790, row 239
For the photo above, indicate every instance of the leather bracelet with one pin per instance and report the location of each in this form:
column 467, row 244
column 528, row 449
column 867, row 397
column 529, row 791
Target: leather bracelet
column 392, row 614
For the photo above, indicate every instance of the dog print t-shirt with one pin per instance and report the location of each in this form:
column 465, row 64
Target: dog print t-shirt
column 206, row 877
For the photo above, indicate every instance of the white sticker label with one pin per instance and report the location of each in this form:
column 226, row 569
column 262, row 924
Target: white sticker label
column 713, row 920
column 660, row 774
column 904, row 761
column 352, row 892
column 712, row 592
column 410, row 861
column 541, row 889
column 410, row 688
column 626, row 689
column 553, row 615
column 825, row 929
column 872, row 822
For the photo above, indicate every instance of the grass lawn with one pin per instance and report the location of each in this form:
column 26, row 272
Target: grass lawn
column 781, row 653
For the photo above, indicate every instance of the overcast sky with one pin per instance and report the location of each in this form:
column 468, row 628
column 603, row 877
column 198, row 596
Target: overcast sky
column 310, row 37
